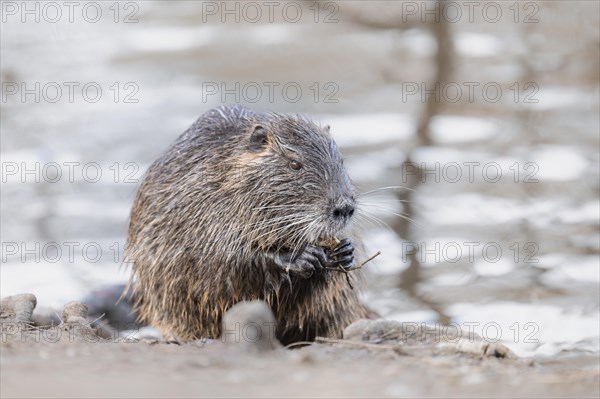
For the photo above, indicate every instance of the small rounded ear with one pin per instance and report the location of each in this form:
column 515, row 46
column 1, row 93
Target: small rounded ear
column 259, row 139
column 327, row 128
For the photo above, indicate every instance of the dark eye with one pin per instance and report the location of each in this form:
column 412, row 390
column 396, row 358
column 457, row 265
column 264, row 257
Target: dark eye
column 295, row 165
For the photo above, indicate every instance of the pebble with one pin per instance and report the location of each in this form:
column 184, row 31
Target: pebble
column 18, row 308
column 75, row 312
column 250, row 326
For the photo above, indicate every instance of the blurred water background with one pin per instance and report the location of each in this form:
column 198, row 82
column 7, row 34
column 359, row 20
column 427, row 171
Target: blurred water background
column 361, row 67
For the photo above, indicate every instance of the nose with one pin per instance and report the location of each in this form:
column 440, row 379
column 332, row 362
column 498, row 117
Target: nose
column 344, row 211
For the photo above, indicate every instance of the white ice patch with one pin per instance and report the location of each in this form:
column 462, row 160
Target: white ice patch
column 444, row 155
column 547, row 98
column 70, row 206
column 359, row 130
column 477, row 209
column 548, row 261
column 579, row 269
column 419, row 42
column 588, row 213
column 55, row 284
column 529, row 329
column 470, row 208
column 450, row 279
column 16, row 159
column 543, row 162
column 417, row 316
column 362, row 168
column 442, row 250
column 486, row 268
column 559, row 163
column 170, row 39
column 473, row 44
column 453, row 129
column 391, row 260
column 268, row 34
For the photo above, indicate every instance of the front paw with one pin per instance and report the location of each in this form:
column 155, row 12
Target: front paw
column 342, row 255
column 309, row 262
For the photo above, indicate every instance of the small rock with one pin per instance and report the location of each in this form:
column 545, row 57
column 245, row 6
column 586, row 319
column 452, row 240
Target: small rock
column 414, row 335
column 472, row 345
column 18, row 308
column 356, row 330
column 475, row 345
column 497, row 349
column 251, row 326
column 76, row 324
column 75, row 312
column 45, row 316
column 374, row 331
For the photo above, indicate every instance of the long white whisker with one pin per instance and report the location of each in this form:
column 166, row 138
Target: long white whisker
column 384, row 188
column 374, row 221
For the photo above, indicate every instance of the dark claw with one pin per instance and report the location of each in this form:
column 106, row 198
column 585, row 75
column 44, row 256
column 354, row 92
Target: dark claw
column 342, row 255
column 345, row 259
column 346, row 262
column 344, row 246
column 343, row 243
column 348, row 250
column 349, row 266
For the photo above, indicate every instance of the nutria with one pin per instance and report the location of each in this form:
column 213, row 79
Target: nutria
column 238, row 208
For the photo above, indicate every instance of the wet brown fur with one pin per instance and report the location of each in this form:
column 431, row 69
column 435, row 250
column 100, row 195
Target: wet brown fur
column 211, row 204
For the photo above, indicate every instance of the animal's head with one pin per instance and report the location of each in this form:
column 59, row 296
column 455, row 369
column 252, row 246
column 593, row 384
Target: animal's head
column 295, row 180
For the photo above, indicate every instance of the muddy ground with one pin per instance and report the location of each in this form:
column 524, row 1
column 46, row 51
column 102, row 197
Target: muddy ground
column 375, row 358
column 142, row 369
